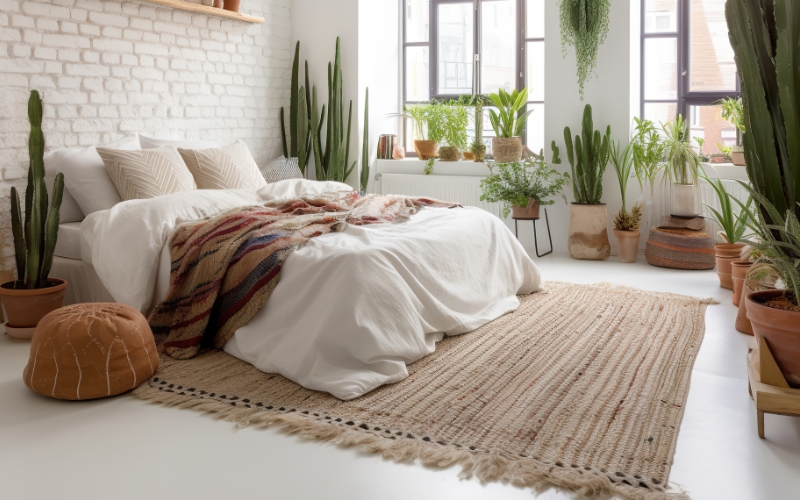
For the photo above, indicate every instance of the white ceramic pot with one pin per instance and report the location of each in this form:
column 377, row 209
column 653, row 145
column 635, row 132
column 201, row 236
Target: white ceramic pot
column 683, row 200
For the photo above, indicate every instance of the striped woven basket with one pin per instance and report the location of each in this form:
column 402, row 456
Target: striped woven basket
column 680, row 249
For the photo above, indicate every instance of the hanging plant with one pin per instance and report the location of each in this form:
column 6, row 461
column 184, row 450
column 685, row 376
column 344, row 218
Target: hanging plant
column 584, row 25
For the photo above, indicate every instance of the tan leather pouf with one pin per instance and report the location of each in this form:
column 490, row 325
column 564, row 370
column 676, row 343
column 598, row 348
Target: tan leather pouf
column 89, row 351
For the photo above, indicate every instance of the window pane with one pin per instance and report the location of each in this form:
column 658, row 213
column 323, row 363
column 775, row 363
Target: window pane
column 659, row 112
column 661, row 16
column 707, row 123
column 456, row 48
column 660, row 68
column 535, row 139
column 711, row 65
column 534, row 12
column 417, row 24
column 535, row 71
column 417, row 74
column 499, row 45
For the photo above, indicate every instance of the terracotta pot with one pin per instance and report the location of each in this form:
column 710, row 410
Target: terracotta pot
column 468, row 155
column 426, row 149
column 218, row 4
column 24, row 307
column 232, row 5
column 727, row 253
column 683, row 200
column 780, row 329
column 737, row 157
column 743, row 324
column 588, row 232
column 528, row 212
column 739, row 269
column 628, row 242
column 507, row 149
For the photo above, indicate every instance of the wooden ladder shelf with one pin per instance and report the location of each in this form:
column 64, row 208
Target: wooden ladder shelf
column 768, row 388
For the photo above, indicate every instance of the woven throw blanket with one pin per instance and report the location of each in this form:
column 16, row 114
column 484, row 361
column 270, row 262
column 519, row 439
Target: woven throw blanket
column 224, row 269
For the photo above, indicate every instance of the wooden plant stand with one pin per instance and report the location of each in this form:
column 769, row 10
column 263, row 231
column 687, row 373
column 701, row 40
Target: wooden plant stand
column 768, row 388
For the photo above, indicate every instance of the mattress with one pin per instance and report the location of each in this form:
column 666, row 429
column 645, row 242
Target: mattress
column 68, row 244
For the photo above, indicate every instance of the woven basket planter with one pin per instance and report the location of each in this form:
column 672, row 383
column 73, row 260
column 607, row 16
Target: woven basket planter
column 680, row 249
column 507, row 150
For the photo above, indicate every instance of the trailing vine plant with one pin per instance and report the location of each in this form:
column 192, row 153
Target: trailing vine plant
column 584, row 25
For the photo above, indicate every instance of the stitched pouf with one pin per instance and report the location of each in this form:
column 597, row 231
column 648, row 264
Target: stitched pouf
column 89, row 351
column 680, row 249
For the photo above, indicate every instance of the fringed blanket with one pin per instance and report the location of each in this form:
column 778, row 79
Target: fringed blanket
column 225, row 268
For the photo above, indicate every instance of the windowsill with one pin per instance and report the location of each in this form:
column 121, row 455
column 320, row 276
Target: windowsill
column 726, row 171
column 413, row 166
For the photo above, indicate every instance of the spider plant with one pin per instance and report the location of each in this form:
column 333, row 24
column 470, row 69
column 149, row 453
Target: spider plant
column 648, row 151
column 682, row 161
column 427, row 121
column 507, row 121
column 733, row 225
column 622, row 159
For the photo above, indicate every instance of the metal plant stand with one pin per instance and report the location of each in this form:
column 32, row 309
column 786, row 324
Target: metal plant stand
column 535, row 236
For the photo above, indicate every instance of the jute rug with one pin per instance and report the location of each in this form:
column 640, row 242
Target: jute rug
column 583, row 387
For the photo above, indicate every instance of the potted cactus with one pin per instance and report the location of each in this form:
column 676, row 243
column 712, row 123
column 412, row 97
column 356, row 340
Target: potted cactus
column 588, row 157
column 29, row 298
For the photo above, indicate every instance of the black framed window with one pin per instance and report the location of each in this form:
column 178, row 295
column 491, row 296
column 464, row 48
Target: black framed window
column 457, row 47
column 687, row 66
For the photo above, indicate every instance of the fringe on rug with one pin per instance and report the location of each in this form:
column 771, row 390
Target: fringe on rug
column 485, row 466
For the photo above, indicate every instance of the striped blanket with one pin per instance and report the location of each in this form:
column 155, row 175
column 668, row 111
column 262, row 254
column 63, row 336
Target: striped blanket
column 224, row 269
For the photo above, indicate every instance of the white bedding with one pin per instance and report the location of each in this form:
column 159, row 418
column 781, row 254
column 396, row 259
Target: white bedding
column 351, row 308
column 68, row 243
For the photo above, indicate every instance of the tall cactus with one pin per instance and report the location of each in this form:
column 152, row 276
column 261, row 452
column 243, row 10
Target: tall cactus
column 332, row 161
column 365, row 147
column 588, row 158
column 297, row 143
column 35, row 237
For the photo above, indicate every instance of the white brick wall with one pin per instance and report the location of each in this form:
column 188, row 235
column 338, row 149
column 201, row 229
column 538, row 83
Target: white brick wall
column 109, row 69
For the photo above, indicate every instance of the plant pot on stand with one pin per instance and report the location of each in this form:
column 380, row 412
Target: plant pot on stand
column 426, row 149
column 780, row 327
column 588, row 232
column 628, row 243
column 531, row 211
column 726, row 254
column 24, row 307
column 683, row 200
column 507, row 149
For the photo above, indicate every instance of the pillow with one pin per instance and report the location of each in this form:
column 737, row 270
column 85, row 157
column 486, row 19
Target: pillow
column 229, row 167
column 146, row 173
column 70, row 210
column 86, row 178
column 153, row 143
column 281, row 170
column 299, row 188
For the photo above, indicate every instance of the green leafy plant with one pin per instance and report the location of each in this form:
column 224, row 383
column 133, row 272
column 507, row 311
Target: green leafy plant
column 364, row 180
column 298, row 144
column 584, row 25
column 35, row 236
column 733, row 225
column 726, row 150
column 700, row 142
column 456, row 121
column 588, row 158
column 333, row 160
column 428, row 169
column 507, row 121
column 622, row 161
column 648, row 152
column 733, row 111
column 428, row 121
column 478, row 148
column 682, row 164
column 514, row 184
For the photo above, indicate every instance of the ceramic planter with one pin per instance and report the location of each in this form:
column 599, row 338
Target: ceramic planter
column 426, row 149
column 683, row 200
column 739, row 269
column 628, row 242
column 781, row 330
column 726, row 254
column 737, row 157
column 588, row 232
column 507, row 150
column 528, row 212
column 25, row 307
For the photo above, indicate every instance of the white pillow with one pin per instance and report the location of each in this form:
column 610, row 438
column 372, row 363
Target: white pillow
column 153, row 143
column 299, row 188
column 281, row 170
column 86, row 177
column 146, row 173
column 228, row 167
column 70, row 211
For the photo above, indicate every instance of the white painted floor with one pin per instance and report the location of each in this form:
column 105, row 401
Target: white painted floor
column 123, row 448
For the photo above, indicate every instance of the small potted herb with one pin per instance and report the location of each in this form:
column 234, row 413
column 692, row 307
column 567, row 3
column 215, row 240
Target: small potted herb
column 733, row 111
column 428, row 128
column 733, row 228
column 456, row 121
column 626, row 224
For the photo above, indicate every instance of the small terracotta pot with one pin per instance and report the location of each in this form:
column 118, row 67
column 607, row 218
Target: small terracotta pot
column 780, row 329
column 628, row 242
column 426, row 149
column 25, row 307
column 588, row 232
column 737, row 157
column 726, row 253
column 528, row 212
column 743, row 324
column 468, row 155
column 507, row 149
column 231, row 5
column 218, row 4
column 739, row 269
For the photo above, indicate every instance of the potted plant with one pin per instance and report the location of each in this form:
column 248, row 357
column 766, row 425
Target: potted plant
column 648, row 151
column 427, row 125
column 739, row 270
column 681, row 167
column 626, row 225
column 508, row 124
column 733, row 111
column 524, row 186
column 456, row 121
column 588, row 157
column 769, row 93
column 584, row 24
column 29, row 298
column 478, row 149
column 733, row 228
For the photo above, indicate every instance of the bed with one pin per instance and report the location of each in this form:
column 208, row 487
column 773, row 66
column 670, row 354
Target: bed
column 352, row 308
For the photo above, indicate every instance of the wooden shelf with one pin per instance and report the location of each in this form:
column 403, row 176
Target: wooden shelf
column 205, row 9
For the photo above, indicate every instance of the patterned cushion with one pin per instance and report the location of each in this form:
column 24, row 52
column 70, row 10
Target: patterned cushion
column 281, row 170
column 228, row 167
column 146, row 173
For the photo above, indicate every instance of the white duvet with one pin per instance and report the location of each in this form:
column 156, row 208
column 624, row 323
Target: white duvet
column 351, row 308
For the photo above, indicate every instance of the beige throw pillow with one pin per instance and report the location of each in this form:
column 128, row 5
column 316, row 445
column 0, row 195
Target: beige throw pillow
column 146, row 173
column 228, row 167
